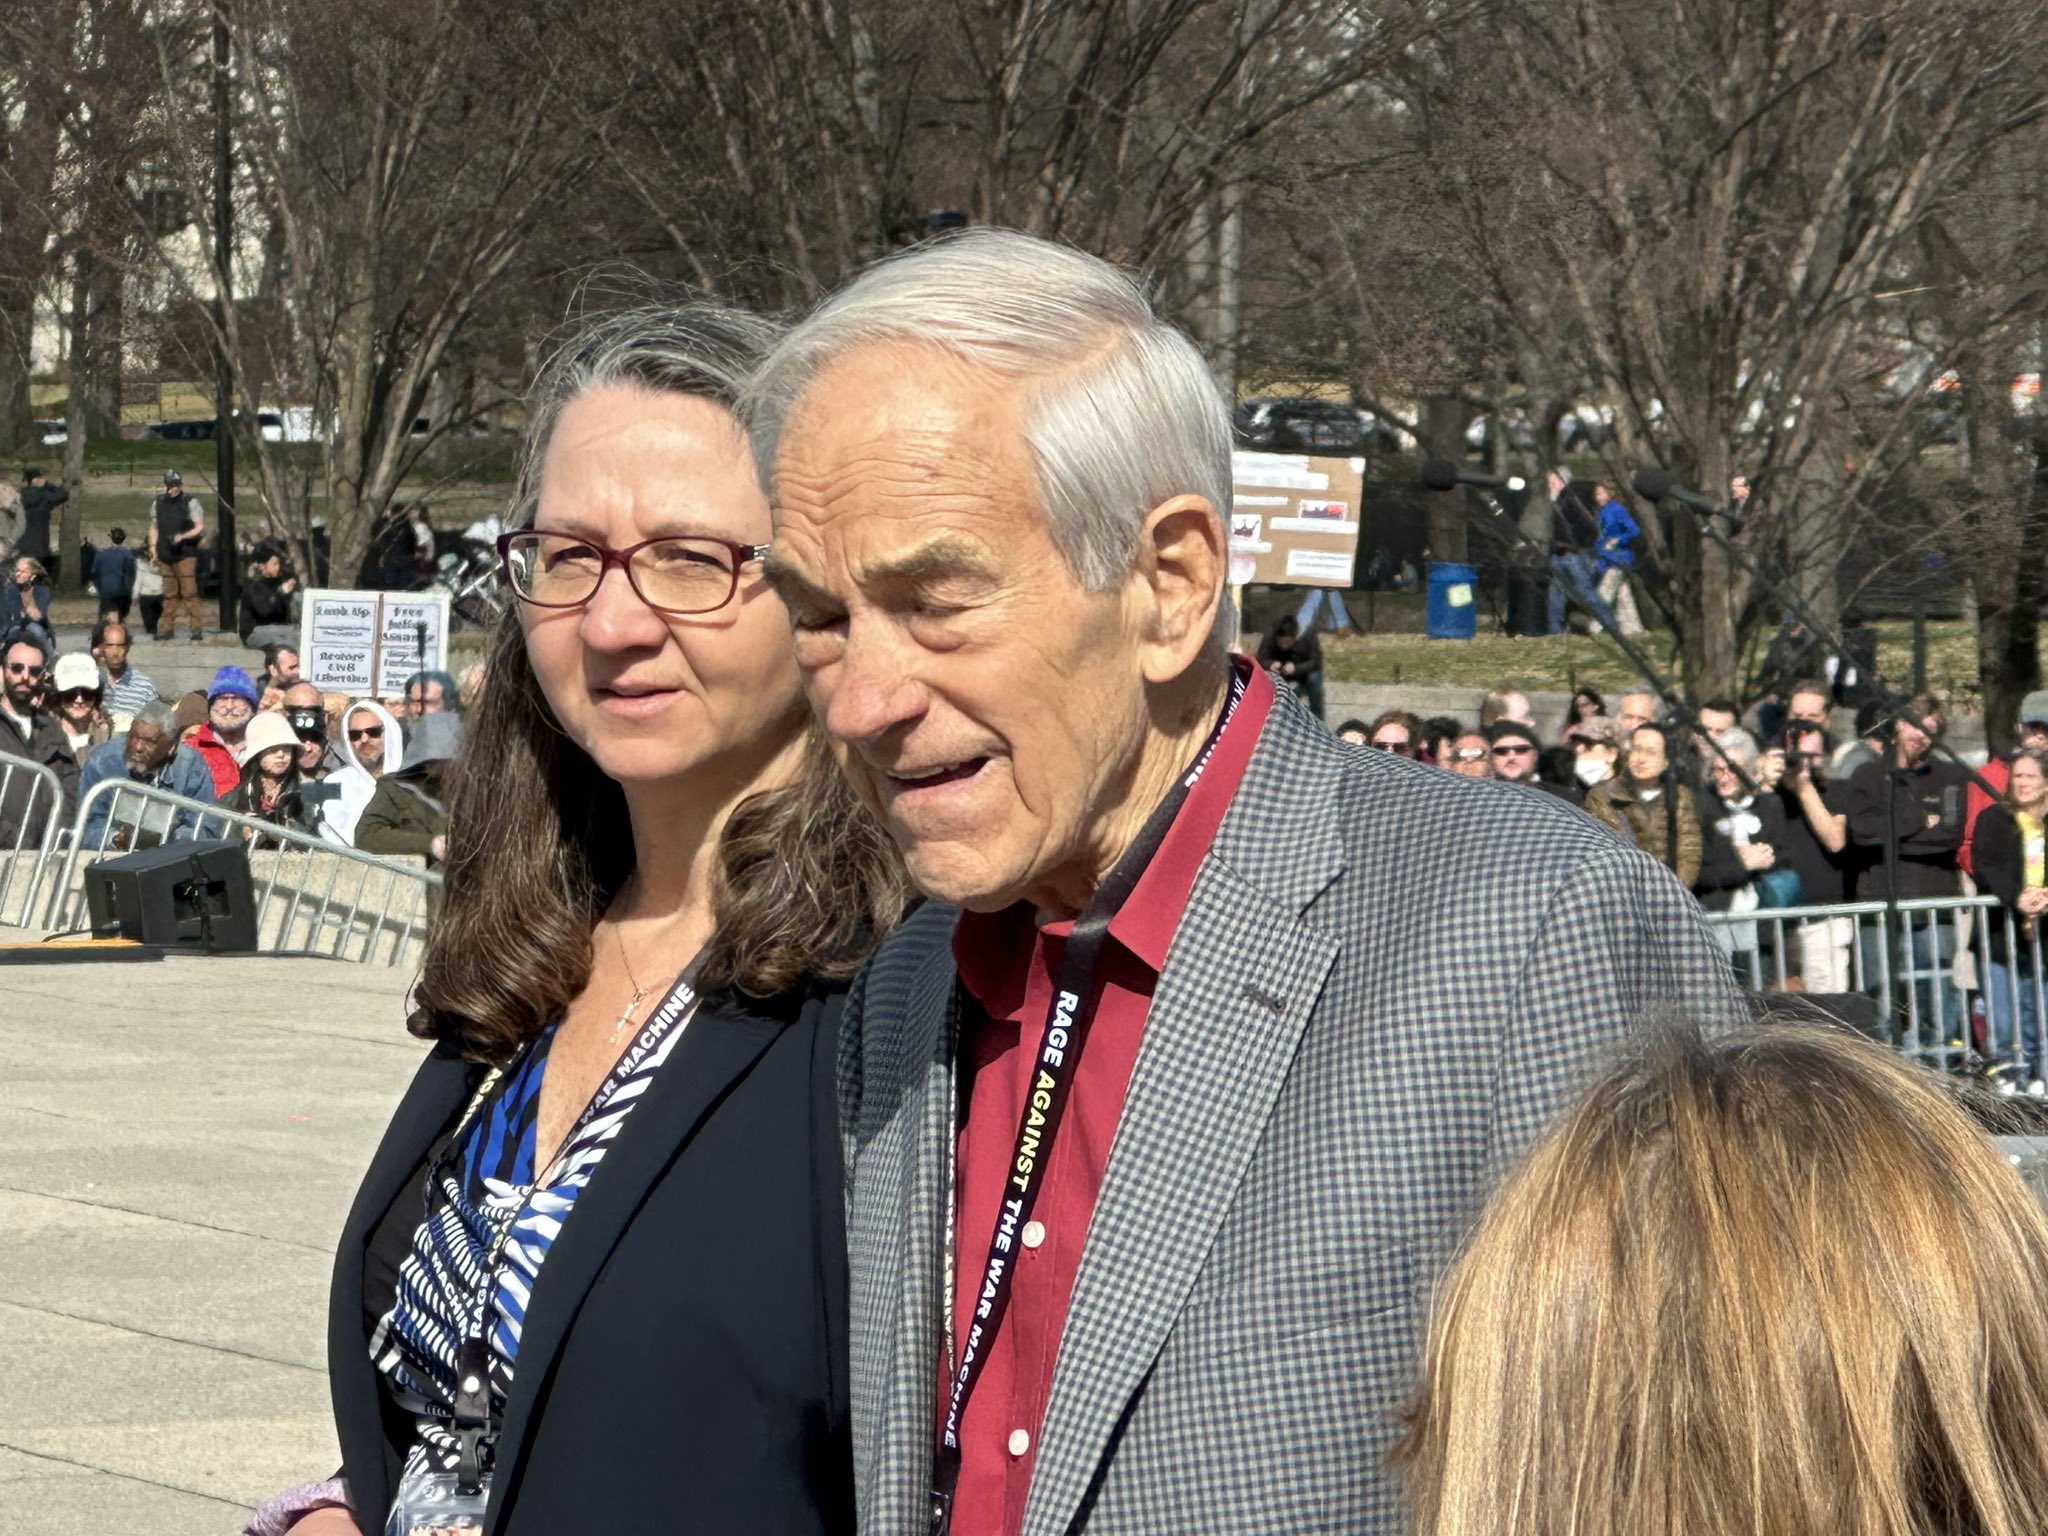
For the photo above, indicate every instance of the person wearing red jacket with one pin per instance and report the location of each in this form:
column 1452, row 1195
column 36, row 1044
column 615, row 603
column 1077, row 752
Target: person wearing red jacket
column 230, row 704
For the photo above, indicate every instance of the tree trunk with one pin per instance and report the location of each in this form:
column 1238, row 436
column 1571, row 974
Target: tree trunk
column 71, row 573
column 1441, row 427
column 1703, row 583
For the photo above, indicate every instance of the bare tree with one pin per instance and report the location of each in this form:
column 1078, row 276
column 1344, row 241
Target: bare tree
column 397, row 160
column 1704, row 217
column 33, row 78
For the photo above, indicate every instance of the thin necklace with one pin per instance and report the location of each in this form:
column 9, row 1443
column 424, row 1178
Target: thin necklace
column 639, row 992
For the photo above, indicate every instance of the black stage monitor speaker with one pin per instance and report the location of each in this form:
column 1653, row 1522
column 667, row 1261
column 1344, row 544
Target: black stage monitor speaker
column 191, row 895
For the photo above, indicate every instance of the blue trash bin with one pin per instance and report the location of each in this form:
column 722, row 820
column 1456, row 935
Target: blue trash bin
column 1453, row 601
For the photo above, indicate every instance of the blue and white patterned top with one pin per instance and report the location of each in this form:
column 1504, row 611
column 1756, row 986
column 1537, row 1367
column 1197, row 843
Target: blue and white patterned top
column 485, row 1197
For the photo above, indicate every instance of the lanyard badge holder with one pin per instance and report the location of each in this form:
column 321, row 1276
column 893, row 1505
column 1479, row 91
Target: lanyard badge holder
column 1059, row 1057
column 454, row 1503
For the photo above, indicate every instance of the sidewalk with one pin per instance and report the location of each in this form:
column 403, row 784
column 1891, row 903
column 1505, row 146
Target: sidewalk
column 178, row 1145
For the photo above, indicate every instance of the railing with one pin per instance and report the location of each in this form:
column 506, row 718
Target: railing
column 31, row 831
column 1930, row 970
column 312, row 896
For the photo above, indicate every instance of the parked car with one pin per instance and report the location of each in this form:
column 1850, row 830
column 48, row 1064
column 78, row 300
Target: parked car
column 268, row 423
column 1297, row 425
column 53, row 433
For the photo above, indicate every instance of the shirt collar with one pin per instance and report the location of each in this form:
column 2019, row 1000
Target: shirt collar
column 991, row 949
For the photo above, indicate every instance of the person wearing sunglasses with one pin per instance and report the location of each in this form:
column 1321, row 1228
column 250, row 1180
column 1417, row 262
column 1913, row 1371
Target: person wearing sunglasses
column 29, row 731
column 1395, row 731
column 1512, row 746
column 74, row 697
column 657, row 889
column 371, row 746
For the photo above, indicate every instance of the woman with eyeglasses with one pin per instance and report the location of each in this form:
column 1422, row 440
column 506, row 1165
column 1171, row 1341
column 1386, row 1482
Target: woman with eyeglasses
column 595, row 1277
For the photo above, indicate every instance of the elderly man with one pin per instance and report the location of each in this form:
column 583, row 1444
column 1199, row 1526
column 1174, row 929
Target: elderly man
column 1636, row 709
column 1174, row 1076
column 149, row 754
column 230, row 705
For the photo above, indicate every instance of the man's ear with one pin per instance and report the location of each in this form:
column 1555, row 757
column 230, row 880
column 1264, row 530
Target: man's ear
column 1178, row 581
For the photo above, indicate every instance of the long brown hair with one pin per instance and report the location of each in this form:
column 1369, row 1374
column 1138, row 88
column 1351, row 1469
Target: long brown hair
column 1774, row 1281
column 539, row 841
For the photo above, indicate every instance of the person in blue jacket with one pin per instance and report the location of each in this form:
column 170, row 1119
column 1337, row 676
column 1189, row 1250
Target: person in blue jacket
column 1614, row 552
column 149, row 754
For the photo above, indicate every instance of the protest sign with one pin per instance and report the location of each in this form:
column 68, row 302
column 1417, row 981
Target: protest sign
column 1294, row 519
column 369, row 643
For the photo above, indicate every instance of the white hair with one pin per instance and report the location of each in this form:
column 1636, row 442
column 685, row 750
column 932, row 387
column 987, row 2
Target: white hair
column 1738, row 746
column 1121, row 411
column 158, row 717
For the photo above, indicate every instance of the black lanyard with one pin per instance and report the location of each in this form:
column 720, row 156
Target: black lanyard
column 1059, row 1058
column 471, row 1406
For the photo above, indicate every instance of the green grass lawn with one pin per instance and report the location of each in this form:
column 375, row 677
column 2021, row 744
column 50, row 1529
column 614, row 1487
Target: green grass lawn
column 1564, row 662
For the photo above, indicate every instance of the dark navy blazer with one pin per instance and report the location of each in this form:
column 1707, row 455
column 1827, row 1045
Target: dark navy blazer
column 682, row 1365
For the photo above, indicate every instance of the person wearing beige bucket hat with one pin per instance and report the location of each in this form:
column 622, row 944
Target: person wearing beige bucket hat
column 269, row 789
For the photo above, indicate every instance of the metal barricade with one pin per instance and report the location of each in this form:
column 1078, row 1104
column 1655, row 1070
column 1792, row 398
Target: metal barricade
column 31, row 832
column 1955, row 979
column 312, row 896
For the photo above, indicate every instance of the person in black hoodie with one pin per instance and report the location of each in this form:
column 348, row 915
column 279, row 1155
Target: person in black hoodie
column 1906, row 819
column 1816, row 848
column 1295, row 659
column 267, row 602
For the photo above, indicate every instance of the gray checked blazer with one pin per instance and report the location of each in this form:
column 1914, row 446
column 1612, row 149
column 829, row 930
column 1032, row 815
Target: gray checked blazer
column 1387, row 981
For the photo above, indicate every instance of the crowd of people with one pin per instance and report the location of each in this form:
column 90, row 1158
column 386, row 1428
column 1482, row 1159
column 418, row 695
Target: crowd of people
column 360, row 772
column 928, row 1039
column 1108, row 1187
column 1801, row 815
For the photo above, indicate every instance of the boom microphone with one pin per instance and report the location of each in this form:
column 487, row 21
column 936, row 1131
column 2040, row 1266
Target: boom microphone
column 1654, row 484
column 1443, row 475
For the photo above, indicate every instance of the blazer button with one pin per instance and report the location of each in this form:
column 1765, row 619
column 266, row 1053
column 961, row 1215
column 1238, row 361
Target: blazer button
column 1020, row 1441
column 1034, row 1233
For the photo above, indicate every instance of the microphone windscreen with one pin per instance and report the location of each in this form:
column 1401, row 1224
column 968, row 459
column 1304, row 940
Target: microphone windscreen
column 1653, row 483
column 1438, row 475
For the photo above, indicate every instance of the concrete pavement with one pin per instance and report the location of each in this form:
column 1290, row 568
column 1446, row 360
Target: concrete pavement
column 179, row 1142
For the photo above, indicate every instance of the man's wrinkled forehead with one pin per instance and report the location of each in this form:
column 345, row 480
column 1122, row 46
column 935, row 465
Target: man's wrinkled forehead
column 893, row 420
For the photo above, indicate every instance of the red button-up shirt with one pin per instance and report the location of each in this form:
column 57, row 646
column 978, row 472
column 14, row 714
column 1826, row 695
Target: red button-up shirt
column 1009, row 966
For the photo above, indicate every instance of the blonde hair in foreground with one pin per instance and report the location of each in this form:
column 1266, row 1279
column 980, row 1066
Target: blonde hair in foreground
column 1770, row 1282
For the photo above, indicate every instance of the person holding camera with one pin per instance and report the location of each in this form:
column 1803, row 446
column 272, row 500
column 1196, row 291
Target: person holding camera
column 1815, row 848
column 267, row 595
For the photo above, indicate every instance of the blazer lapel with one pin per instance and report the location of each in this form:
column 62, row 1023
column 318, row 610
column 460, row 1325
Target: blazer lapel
column 1240, row 983
column 439, row 1091
column 899, row 1163
column 718, row 1048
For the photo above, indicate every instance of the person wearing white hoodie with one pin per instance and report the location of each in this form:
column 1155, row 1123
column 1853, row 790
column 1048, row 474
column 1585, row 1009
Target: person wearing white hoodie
column 372, row 747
